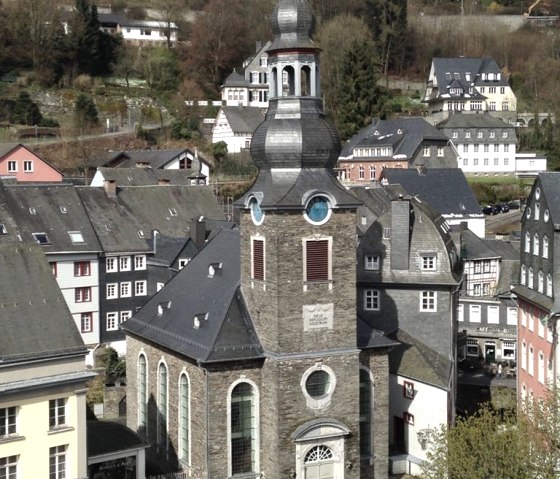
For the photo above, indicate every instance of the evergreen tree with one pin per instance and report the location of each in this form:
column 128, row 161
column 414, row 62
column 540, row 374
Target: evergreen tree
column 85, row 112
column 26, row 111
column 357, row 96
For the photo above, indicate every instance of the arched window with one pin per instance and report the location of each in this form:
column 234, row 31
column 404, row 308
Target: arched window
column 142, row 394
column 527, row 242
column 530, row 278
column 523, row 279
column 243, row 423
column 549, row 285
column 365, row 413
column 545, row 247
column 319, row 463
column 184, row 419
column 289, row 88
column 274, row 83
column 536, row 244
column 541, row 282
column 306, row 81
column 162, row 405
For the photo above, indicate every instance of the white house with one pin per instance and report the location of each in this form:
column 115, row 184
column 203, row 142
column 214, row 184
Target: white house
column 235, row 126
column 139, row 32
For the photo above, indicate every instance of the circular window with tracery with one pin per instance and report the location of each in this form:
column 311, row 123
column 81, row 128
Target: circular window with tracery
column 317, row 384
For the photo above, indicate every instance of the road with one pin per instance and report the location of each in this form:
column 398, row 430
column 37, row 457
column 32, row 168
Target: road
column 503, row 222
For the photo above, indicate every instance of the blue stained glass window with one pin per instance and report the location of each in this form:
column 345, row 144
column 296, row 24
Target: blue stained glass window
column 317, row 209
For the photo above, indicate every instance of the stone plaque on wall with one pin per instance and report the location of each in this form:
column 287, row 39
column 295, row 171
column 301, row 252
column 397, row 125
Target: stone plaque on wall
column 318, row 316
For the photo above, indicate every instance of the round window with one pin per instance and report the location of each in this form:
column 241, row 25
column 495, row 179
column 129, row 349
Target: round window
column 257, row 213
column 317, row 384
column 318, row 209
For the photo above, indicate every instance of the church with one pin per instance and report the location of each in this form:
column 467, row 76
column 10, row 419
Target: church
column 252, row 361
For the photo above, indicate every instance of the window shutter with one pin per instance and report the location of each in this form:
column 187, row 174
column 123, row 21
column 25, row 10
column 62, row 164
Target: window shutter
column 317, row 260
column 258, row 260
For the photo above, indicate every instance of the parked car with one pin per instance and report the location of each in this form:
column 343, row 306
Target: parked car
column 505, row 207
column 487, row 210
column 496, row 209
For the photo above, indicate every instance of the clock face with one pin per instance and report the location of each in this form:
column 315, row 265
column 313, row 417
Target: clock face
column 318, row 209
column 257, row 213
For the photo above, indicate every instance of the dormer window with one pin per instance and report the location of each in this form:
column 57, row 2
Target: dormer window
column 63, row 210
column 162, row 307
column 3, row 230
column 172, row 211
column 32, row 211
column 199, row 320
column 213, row 269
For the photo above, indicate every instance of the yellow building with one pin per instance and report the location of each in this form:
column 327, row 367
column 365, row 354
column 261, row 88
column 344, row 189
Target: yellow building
column 42, row 372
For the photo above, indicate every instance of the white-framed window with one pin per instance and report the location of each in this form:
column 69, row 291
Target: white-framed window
column 57, row 413
column 486, row 147
column 82, row 295
column 479, row 134
column 159, row 286
column 426, row 151
column 537, row 211
column 112, row 292
column 124, row 316
column 530, row 278
column 508, row 350
column 492, row 106
column 428, row 301
column 531, row 361
column 57, row 462
column 317, row 259
column 76, row 237
column 162, row 405
column 184, row 419
column 8, row 421
column 183, row 262
column 28, row 166
column 527, row 242
column 372, row 172
column 511, row 316
column 124, row 263
column 461, row 313
column 386, row 233
column 477, row 289
column 540, row 284
column 86, row 322
column 140, row 288
column 140, row 262
column 530, row 321
column 465, row 148
column 493, row 313
column 125, row 291
column 472, row 347
column 506, row 148
column 9, row 467
column 12, row 166
column 455, row 134
column 243, row 430
column 468, row 134
column 475, row 313
column 477, row 267
column 476, row 147
column 361, row 172
column 492, row 134
column 545, row 247
column 112, row 323
column 371, row 300
column 440, row 151
column 496, row 148
column 371, row 262
column 549, row 285
column 142, row 394
column 82, row 268
column 540, row 372
column 524, row 355
column 429, row 262
column 111, row 265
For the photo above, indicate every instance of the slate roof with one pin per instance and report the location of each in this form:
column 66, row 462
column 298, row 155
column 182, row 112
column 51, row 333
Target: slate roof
column 105, row 437
column 167, row 209
column 444, row 189
column 35, row 321
column 54, row 209
column 135, row 176
column 550, row 186
column 415, row 360
column 478, row 122
column 452, row 73
column 235, row 79
column 371, row 338
column 404, row 135
column 155, row 158
column 243, row 119
column 224, row 330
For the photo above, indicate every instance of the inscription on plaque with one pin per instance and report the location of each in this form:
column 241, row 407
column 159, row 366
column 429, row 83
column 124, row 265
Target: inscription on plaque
column 318, row 316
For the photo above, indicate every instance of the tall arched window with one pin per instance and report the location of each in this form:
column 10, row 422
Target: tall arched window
column 541, row 282
column 243, row 423
column 545, row 247
column 530, row 278
column 536, row 244
column 319, row 463
column 523, row 274
column 142, row 394
column 365, row 413
column 184, row 419
column 290, row 81
column 306, row 81
column 162, row 405
column 527, row 242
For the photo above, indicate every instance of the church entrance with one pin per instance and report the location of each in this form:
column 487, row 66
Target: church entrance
column 319, row 463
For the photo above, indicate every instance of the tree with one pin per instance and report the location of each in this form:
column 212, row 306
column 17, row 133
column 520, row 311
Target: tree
column 358, row 98
column 26, row 111
column 85, row 112
column 160, row 69
column 170, row 12
column 499, row 444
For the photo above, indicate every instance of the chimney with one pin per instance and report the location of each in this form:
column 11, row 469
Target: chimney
column 163, row 182
column 400, row 233
column 198, row 232
column 110, row 187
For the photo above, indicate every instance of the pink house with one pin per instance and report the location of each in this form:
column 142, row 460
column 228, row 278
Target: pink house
column 18, row 161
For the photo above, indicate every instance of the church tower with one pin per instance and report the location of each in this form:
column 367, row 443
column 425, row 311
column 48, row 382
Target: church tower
column 298, row 268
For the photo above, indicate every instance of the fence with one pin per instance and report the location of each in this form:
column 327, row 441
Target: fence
column 169, row 475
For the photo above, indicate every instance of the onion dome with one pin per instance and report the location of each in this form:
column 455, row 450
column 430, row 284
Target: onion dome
column 293, row 25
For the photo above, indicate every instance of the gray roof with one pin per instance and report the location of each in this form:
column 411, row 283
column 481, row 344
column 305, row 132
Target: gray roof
column 200, row 315
column 404, row 135
column 243, row 119
column 34, row 319
column 479, row 122
column 54, row 209
column 550, row 186
column 105, row 437
column 155, row 158
column 445, row 189
column 135, row 176
column 235, row 79
column 452, row 73
column 474, row 247
column 167, row 209
column 415, row 360
column 371, row 338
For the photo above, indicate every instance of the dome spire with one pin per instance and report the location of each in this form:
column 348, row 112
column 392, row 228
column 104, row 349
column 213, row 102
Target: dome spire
column 293, row 25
